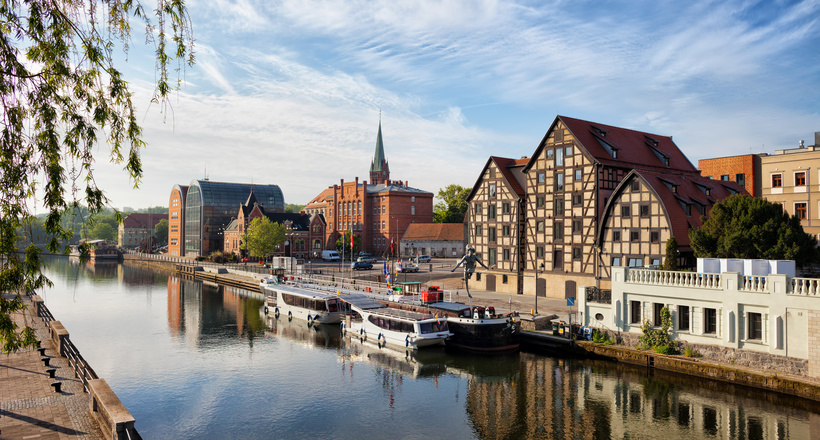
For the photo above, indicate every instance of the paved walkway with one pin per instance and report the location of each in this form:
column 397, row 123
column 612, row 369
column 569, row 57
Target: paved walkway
column 29, row 406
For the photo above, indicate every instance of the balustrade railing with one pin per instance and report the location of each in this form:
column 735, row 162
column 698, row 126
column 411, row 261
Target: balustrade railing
column 673, row 278
column 600, row 296
column 805, row 286
column 754, row 283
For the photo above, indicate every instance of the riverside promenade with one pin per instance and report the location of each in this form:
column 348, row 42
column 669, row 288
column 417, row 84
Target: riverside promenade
column 30, row 408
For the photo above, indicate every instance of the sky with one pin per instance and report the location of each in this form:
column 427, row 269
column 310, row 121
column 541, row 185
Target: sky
column 291, row 92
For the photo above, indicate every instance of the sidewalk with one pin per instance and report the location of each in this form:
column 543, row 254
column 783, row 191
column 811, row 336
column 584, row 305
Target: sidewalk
column 29, row 406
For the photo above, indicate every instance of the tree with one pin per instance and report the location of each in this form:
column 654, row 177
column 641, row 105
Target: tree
column 742, row 226
column 343, row 244
column 670, row 262
column 264, row 236
column 453, row 205
column 161, row 231
column 290, row 207
column 103, row 231
column 61, row 95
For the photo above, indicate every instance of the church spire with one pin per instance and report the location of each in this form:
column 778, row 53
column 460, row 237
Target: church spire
column 379, row 170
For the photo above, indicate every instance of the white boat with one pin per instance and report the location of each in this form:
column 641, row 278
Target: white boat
column 313, row 306
column 382, row 325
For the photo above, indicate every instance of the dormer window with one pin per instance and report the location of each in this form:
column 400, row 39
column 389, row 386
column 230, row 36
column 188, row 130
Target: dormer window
column 664, row 159
column 612, row 150
column 599, row 130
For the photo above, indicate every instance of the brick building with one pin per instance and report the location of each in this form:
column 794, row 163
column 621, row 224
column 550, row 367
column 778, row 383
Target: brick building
column 304, row 232
column 743, row 170
column 592, row 195
column 378, row 212
column 137, row 227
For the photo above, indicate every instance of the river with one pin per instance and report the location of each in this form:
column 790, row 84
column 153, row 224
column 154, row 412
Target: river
column 193, row 360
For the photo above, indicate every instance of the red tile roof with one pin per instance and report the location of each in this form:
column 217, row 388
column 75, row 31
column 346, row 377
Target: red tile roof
column 141, row 220
column 434, row 232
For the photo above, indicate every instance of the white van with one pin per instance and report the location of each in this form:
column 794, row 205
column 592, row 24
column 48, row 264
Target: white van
column 330, row 256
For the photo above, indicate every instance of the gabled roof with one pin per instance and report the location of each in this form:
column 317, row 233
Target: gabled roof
column 675, row 191
column 434, row 232
column 633, row 149
column 511, row 170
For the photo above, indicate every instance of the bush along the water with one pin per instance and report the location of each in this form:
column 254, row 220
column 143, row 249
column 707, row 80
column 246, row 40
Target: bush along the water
column 658, row 339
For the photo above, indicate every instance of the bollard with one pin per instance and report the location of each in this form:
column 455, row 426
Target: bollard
column 45, row 360
column 42, row 351
column 57, row 386
column 51, row 372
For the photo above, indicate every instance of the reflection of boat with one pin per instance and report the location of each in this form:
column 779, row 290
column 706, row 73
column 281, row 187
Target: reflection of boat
column 424, row 363
column 403, row 328
column 297, row 302
column 328, row 336
column 479, row 329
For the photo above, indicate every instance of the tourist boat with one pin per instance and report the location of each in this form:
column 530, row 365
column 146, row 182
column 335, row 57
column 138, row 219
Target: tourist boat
column 296, row 302
column 383, row 325
column 479, row 329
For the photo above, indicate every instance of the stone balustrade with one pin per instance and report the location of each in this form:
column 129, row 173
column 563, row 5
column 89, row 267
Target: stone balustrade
column 674, row 278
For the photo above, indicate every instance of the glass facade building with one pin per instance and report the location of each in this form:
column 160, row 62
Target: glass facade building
column 210, row 206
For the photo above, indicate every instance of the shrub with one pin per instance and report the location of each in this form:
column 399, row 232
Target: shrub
column 601, row 337
column 658, row 339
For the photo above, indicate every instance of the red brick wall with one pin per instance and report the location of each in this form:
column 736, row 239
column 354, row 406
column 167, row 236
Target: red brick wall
column 732, row 166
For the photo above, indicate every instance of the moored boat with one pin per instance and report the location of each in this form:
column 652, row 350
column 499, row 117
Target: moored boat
column 296, row 302
column 383, row 325
column 479, row 329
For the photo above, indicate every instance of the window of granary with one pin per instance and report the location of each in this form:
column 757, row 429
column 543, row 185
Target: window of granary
column 504, row 278
column 577, row 199
column 559, row 207
column 635, row 262
column 542, row 177
column 491, row 256
column 491, row 234
column 505, row 230
column 616, row 261
column 616, row 235
column 777, row 180
column 800, row 178
column 550, row 154
column 558, row 231
column 559, row 157
column 654, row 236
column 539, row 202
column 478, row 208
column 492, row 190
column 568, row 151
column 506, row 255
column 576, row 226
column 576, row 253
column 634, row 236
column 755, row 326
column 634, row 312
column 478, row 230
column 558, row 259
column 801, row 211
column 626, row 211
column 559, row 182
column 683, row 318
column 491, row 211
column 539, row 252
column 539, row 226
column 644, row 210
column 492, row 173
column 579, row 175
column 505, row 208
column 710, row 321
column 635, row 186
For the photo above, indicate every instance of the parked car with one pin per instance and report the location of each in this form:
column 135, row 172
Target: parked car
column 406, row 266
column 424, row 258
column 368, row 259
column 330, row 255
column 365, row 254
column 361, row 265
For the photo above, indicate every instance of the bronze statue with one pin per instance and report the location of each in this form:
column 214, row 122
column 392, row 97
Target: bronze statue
column 469, row 260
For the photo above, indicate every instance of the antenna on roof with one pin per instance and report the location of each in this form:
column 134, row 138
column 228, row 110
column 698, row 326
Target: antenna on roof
column 206, row 172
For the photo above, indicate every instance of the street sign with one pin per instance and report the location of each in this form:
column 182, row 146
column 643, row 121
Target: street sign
column 571, row 301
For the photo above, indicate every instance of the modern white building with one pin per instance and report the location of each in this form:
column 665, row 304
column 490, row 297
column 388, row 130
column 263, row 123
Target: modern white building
column 771, row 314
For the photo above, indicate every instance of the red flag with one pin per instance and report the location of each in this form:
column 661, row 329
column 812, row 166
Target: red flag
column 351, row 240
column 391, row 246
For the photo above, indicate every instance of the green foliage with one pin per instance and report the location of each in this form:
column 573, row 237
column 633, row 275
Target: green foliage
column 453, row 205
column 601, row 337
column 690, row 352
column 62, row 96
column 264, row 236
column 290, row 207
column 658, row 339
column 343, row 244
column 103, row 231
column 220, row 257
column 742, row 226
column 670, row 262
column 161, row 231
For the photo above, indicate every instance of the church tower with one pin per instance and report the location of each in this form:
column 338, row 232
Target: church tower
column 379, row 171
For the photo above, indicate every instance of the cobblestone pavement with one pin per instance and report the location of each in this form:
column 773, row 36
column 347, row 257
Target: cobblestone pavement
column 29, row 406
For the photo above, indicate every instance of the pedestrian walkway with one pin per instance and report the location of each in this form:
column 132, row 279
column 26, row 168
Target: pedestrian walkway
column 30, row 408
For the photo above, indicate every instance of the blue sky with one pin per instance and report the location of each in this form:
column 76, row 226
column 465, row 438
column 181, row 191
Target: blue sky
column 289, row 92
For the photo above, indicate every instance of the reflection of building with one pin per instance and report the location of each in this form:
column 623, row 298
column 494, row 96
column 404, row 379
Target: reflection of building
column 136, row 228
column 378, row 212
column 591, row 196
column 209, row 208
column 176, row 220
column 304, row 234
column 435, row 239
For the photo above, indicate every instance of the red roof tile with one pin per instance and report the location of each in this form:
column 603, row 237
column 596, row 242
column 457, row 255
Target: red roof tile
column 434, row 232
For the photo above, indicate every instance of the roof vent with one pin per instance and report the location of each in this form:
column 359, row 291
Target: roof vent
column 802, row 143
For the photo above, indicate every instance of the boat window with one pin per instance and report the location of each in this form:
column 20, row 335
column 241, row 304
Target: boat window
column 332, row 305
column 305, row 303
column 433, row 327
column 391, row 324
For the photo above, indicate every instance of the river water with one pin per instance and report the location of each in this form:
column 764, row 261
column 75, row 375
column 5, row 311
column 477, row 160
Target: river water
column 193, row 360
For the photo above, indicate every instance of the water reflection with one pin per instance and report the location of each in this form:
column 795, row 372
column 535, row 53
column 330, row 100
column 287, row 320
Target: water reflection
column 206, row 353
